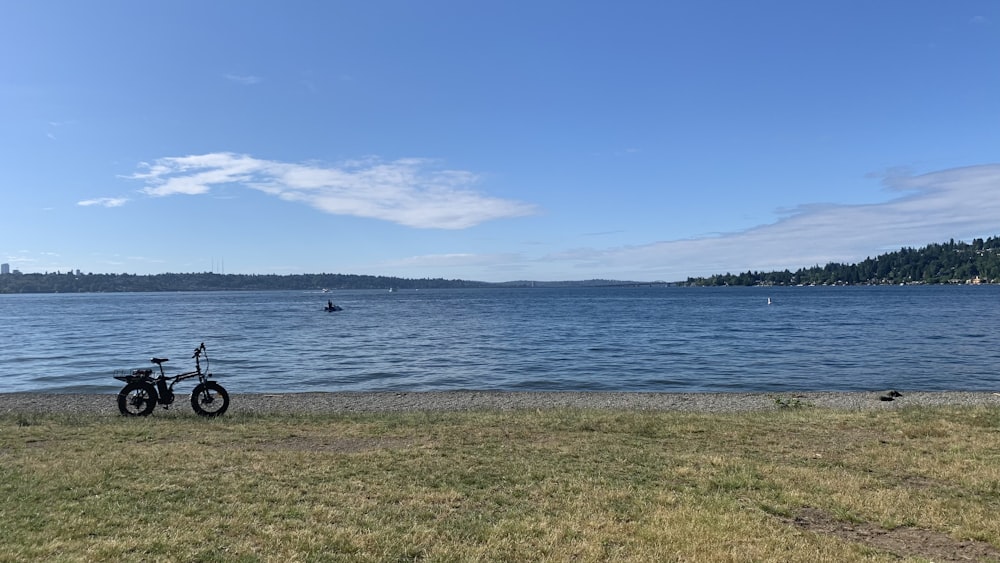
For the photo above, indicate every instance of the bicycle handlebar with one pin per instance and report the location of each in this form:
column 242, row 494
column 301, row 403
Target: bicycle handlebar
column 199, row 350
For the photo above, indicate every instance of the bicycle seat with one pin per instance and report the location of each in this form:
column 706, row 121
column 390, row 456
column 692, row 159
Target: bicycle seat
column 159, row 361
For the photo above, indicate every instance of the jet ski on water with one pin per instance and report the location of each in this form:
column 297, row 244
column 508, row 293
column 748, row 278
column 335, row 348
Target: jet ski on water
column 330, row 307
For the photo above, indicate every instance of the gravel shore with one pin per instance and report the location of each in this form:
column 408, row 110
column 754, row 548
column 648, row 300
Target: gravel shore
column 17, row 403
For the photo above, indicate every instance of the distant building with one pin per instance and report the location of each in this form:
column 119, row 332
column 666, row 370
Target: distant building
column 4, row 268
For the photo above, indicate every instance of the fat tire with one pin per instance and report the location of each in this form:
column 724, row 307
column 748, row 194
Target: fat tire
column 137, row 399
column 209, row 399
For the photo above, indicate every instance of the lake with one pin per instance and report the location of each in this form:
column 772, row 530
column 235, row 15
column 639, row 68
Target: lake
column 576, row 339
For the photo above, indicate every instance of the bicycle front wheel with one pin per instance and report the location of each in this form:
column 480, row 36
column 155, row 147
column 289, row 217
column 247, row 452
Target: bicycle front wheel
column 209, row 399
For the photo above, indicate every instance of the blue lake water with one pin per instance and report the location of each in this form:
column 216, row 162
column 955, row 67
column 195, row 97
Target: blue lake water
column 596, row 339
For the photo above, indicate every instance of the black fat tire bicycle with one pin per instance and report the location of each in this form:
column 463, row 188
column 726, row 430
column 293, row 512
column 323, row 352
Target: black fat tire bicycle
column 142, row 391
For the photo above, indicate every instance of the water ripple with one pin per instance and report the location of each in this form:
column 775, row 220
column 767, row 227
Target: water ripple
column 676, row 339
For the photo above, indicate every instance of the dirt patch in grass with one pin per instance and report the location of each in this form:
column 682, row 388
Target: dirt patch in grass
column 902, row 541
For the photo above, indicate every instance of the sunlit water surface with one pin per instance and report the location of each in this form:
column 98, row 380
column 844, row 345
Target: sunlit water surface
column 609, row 339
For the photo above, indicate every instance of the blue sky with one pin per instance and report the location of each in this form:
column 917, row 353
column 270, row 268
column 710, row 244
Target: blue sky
column 495, row 141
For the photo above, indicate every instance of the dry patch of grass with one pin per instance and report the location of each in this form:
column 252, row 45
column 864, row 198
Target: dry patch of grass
column 915, row 542
column 790, row 485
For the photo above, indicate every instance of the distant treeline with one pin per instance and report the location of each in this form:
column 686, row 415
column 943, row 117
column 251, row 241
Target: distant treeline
column 77, row 282
column 951, row 262
column 948, row 263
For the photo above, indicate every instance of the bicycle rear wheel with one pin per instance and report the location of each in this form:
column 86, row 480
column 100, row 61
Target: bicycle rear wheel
column 209, row 399
column 137, row 399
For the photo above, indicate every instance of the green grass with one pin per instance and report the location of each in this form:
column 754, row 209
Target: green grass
column 560, row 485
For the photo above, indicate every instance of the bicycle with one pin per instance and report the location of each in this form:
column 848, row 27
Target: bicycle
column 143, row 391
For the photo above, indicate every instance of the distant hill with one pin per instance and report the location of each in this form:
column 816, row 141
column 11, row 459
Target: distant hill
column 948, row 263
column 581, row 283
column 77, row 282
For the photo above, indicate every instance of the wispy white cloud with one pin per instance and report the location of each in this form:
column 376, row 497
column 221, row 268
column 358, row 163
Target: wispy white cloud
column 412, row 192
column 497, row 266
column 245, row 79
column 56, row 125
column 104, row 202
column 455, row 260
column 961, row 203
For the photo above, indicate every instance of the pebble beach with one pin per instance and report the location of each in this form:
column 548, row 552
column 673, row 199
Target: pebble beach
column 383, row 402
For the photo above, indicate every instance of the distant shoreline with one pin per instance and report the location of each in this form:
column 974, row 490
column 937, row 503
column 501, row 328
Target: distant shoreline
column 451, row 401
column 949, row 263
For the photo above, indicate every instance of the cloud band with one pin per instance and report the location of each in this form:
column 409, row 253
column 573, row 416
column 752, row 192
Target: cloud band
column 410, row 192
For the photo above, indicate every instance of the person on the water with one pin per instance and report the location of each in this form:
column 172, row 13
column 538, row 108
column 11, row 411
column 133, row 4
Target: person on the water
column 329, row 305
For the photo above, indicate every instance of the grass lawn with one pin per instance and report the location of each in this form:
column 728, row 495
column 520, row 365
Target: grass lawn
column 797, row 484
